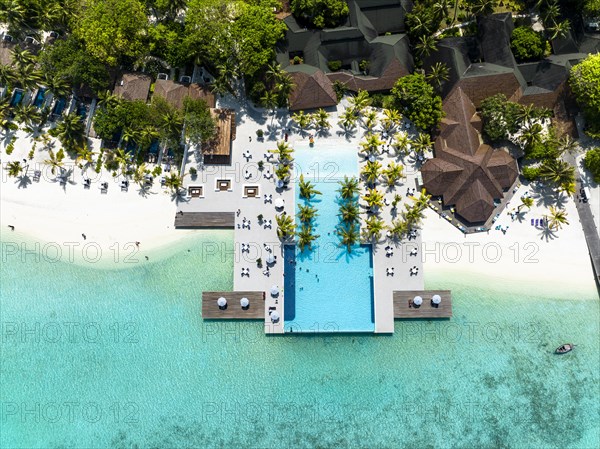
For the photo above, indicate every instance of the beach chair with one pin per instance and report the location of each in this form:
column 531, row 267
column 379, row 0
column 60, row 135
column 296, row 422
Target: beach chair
column 532, row 221
column 36, row 175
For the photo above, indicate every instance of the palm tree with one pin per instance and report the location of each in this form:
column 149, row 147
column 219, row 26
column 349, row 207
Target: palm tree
column 28, row 115
column 393, row 173
column 174, row 182
column 269, row 101
column 371, row 171
column 108, row 100
column 70, row 132
column 373, row 198
column 412, row 216
column 284, row 153
column 426, row 45
column 348, row 188
column 282, row 172
column 306, row 237
column 274, row 72
column 371, row 143
column 550, row 12
column 398, row 228
column 348, row 119
column 84, row 156
column 349, row 236
column 284, row 86
column 422, row 201
column 55, row 160
column 321, row 119
column 391, row 118
column 22, row 58
column 568, row 188
column 422, row 143
column 531, row 135
column 307, row 189
column 57, row 85
column 121, row 158
column 438, row 75
column 302, row 119
column 557, row 171
column 371, row 120
column 7, row 75
column 349, row 212
column 483, row 7
column 14, row 169
column 147, row 135
column 360, row 101
column 139, row 175
column 374, row 228
column 285, row 226
column 401, row 144
column 557, row 218
column 560, row 29
column 567, row 145
column 13, row 14
column 306, row 213
column 526, row 201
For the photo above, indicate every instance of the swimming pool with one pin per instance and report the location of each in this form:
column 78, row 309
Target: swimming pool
column 327, row 289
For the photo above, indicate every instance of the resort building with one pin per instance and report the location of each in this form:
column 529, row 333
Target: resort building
column 133, row 86
column 465, row 172
column 174, row 93
column 370, row 52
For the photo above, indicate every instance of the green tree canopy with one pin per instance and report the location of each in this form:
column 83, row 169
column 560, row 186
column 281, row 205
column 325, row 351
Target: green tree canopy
column 321, row 13
column 417, row 100
column 592, row 163
column 200, row 127
column 499, row 117
column 113, row 29
column 68, row 59
column 110, row 120
column 585, row 83
column 527, row 44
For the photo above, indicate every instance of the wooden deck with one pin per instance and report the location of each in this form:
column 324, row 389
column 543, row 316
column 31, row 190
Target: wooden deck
column 211, row 311
column 199, row 220
column 218, row 150
column 402, row 308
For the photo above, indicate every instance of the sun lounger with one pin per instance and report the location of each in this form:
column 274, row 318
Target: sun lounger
column 36, row 175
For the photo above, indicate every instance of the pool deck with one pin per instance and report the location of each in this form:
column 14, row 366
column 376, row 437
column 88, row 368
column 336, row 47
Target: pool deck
column 212, row 311
column 403, row 307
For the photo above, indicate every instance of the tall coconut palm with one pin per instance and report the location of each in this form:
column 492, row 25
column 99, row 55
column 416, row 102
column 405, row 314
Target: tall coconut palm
column 402, row 144
column 301, row 119
column 412, row 216
column 306, row 237
column 557, row 172
column 14, row 169
column 374, row 226
column 393, row 173
column 398, row 228
column 274, row 71
column 173, row 182
column 439, row 73
column 147, row 135
column 370, row 172
column 349, row 236
column 285, row 226
column 122, row 160
column 526, row 201
column 483, row 7
column 348, row 119
column 391, row 119
column 360, row 101
column 269, row 101
column 321, row 119
column 29, row 115
column 139, row 175
column 70, row 132
column 22, row 57
column 568, row 187
column 422, row 201
column 13, row 14
column 306, row 213
column 57, row 85
column 282, row 172
column 85, row 157
column 55, row 160
column 531, row 135
column 349, row 188
column 284, row 153
column 307, row 189
column 374, row 199
column 284, row 87
column 370, row 144
column 8, row 75
column 422, row 143
column 349, row 212
column 370, row 120
column 108, row 100
column 557, row 218
column 566, row 144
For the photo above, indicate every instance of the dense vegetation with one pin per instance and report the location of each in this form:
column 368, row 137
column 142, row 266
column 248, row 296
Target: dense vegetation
column 585, row 83
column 320, row 13
column 527, row 44
column 592, row 163
column 417, row 100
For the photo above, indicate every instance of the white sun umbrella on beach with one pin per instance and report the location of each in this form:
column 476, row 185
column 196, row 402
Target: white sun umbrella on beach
column 279, row 203
column 436, row 299
column 274, row 316
column 221, row 302
column 279, row 184
column 417, row 301
column 270, row 258
column 274, row 290
column 244, row 302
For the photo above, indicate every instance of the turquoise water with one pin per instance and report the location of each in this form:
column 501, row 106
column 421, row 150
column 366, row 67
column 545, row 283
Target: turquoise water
column 327, row 289
column 141, row 369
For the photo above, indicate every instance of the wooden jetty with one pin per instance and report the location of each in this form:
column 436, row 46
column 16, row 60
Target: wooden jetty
column 199, row 220
column 233, row 311
column 403, row 307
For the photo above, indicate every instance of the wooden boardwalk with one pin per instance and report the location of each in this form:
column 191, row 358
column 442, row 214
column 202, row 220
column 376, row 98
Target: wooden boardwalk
column 198, row 220
column 255, row 311
column 404, row 309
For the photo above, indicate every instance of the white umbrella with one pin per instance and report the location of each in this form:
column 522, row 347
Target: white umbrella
column 279, row 203
column 244, row 302
column 274, row 290
column 274, row 316
column 279, row 184
column 270, row 258
column 436, row 299
column 221, row 302
column 417, row 301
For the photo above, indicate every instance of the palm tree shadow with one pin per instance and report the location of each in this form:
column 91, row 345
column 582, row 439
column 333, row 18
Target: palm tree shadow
column 520, row 216
column 272, row 132
column 144, row 191
column 544, row 195
column 24, row 181
column 548, row 234
column 323, row 132
column 348, row 133
column 179, row 198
